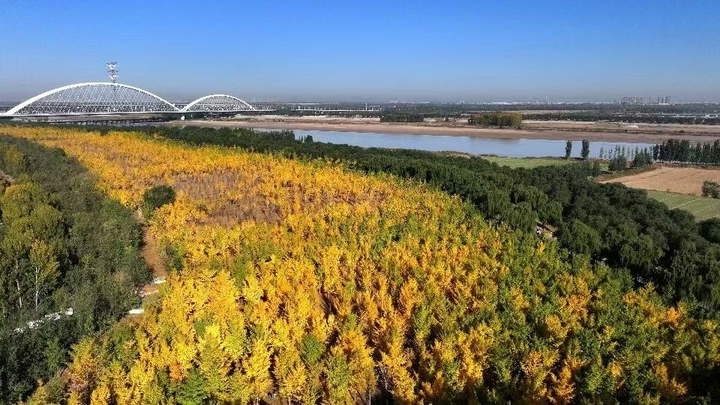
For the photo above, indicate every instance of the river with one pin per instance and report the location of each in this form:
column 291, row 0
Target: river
column 465, row 144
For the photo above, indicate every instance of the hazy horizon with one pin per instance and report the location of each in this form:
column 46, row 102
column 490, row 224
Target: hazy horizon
column 374, row 52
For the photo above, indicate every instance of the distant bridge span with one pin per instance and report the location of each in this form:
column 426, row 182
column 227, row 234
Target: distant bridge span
column 113, row 98
column 217, row 102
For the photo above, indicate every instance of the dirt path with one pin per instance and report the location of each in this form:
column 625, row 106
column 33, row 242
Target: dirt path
column 151, row 254
column 5, row 179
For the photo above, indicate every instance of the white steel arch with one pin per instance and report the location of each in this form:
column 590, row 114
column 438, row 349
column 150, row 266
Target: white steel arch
column 93, row 98
column 218, row 102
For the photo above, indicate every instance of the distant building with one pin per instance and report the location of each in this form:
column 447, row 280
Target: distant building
column 645, row 100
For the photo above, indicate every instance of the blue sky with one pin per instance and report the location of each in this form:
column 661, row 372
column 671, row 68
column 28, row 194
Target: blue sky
column 371, row 50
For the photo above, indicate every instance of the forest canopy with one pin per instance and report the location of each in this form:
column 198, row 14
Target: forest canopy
column 70, row 260
column 305, row 281
column 635, row 232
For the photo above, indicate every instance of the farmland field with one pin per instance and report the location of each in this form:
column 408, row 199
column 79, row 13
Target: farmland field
column 682, row 180
column 701, row 207
column 527, row 163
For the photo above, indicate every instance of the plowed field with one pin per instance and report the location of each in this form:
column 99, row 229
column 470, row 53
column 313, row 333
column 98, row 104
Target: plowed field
column 683, row 180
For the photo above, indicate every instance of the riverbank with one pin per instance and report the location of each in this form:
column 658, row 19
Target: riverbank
column 367, row 126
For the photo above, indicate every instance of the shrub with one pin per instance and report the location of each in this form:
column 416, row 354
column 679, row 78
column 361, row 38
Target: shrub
column 156, row 197
column 710, row 230
column 642, row 159
column 711, row 189
column 618, row 163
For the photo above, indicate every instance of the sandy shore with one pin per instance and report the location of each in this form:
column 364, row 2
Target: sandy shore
column 377, row 127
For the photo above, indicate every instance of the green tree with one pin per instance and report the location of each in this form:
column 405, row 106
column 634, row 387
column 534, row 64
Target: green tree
column 585, row 152
column 618, row 163
column 568, row 149
column 31, row 245
column 496, row 119
column 192, row 390
column 581, row 238
column 710, row 230
column 14, row 160
column 44, row 267
column 711, row 189
column 156, row 197
column 62, row 244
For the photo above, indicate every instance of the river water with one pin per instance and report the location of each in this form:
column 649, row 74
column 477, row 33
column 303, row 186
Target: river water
column 465, row 144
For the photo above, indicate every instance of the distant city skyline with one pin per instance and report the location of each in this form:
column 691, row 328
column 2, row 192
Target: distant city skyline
column 374, row 51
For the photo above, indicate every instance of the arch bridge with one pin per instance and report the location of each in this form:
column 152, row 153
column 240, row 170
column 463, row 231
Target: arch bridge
column 101, row 98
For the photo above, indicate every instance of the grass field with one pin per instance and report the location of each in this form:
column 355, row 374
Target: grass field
column 527, row 163
column 701, row 207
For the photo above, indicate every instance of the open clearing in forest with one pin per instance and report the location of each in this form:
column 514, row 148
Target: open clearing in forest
column 682, row 180
column 527, row 163
column 701, row 207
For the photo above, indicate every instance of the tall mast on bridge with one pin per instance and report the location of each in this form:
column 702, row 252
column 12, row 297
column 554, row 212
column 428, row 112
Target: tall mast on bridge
column 112, row 69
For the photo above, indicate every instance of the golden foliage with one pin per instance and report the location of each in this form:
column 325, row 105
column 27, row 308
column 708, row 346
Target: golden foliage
column 307, row 282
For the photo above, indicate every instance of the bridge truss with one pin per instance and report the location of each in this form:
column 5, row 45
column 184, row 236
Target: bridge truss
column 218, row 103
column 117, row 99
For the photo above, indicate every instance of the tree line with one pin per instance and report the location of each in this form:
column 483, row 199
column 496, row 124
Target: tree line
column 496, row 119
column 612, row 223
column 562, row 110
column 70, row 261
column 622, row 158
column 626, row 118
column 682, row 151
column 402, row 118
column 670, row 151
